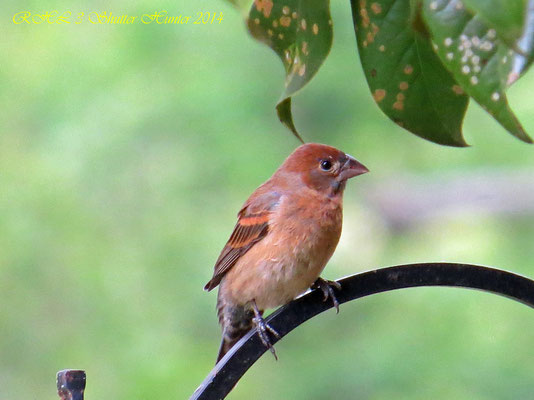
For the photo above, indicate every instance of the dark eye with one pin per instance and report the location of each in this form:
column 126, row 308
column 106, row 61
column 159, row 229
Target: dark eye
column 326, row 165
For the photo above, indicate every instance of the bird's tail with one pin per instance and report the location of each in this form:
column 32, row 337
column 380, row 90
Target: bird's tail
column 226, row 345
column 236, row 322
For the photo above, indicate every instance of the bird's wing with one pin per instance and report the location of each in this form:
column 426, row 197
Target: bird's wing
column 252, row 226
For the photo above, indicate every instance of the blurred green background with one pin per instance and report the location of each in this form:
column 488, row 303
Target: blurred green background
column 125, row 153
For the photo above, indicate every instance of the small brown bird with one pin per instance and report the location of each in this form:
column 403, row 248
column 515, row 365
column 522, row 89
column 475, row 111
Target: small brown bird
column 286, row 232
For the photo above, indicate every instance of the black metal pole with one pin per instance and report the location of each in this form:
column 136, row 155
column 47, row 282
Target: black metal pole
column 70, row 384
column 240, row 358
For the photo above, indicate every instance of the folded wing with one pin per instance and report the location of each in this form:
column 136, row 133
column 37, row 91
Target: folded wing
column 252, row 226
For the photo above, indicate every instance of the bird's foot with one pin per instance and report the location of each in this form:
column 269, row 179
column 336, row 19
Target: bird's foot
column 328, row 291
column 263, row 329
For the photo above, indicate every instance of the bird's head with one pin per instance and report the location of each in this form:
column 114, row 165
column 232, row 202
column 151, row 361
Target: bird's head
column 322, row 167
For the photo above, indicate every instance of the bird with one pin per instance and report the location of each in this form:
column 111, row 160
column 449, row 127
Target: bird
column 286, row 232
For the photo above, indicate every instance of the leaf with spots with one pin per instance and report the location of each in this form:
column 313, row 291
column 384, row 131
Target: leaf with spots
column 513, row 21
column 300, row 33
column 423, row 59
column 508, row 16
column 407, row 79
column 481, row 63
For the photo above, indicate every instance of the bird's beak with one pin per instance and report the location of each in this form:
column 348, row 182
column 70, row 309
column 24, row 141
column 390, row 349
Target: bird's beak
column 352, row 168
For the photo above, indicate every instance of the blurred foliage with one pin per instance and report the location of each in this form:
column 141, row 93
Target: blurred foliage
column 125, row 152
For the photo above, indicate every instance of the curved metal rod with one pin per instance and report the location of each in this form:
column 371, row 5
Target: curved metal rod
column 240, row 358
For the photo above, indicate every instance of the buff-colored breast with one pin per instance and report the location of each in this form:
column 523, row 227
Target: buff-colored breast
column 290, row 258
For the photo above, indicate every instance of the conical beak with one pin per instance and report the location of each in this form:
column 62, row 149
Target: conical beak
column 352, row 168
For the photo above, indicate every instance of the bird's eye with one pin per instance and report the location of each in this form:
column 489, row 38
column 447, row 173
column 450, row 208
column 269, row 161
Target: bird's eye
column 326, row 165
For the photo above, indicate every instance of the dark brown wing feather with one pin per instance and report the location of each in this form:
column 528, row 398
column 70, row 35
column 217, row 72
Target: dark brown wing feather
column 251, row 227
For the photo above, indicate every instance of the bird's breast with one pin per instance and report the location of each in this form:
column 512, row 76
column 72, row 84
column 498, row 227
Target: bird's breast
column 290, row 258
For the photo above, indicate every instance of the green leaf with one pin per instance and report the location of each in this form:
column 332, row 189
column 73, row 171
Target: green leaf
column 514, row 23
column 506, row 17
column 406, row 78
column 300, row 33
column 481, row 63
column 283, row 109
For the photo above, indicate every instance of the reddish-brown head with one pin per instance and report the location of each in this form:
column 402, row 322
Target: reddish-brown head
column 322, row 167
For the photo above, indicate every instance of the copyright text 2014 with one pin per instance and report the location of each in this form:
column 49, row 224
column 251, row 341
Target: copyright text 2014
column 108, row 17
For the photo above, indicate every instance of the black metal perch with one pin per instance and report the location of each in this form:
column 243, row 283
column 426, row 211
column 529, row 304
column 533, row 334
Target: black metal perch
column 225, row 375
column 240, row 358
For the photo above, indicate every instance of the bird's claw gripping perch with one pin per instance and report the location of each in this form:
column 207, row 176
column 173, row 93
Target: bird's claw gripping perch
column 263, row 329
column 328, row 291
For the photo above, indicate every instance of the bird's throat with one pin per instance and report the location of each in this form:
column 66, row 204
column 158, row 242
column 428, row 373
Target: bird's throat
column 337, row 188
